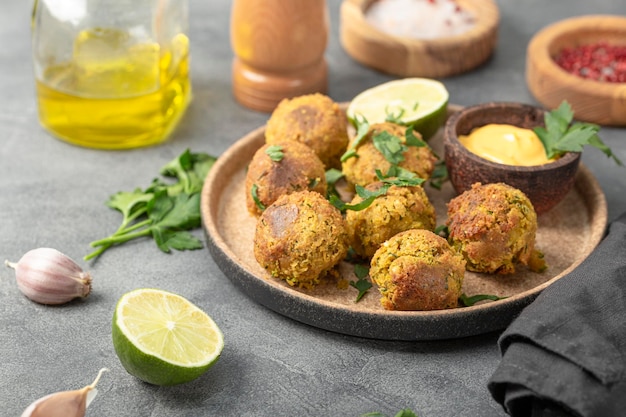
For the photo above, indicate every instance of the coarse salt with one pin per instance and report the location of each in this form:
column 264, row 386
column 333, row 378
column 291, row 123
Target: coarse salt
column 419, row 19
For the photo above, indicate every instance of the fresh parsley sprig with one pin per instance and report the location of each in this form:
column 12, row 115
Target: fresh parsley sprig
column 164, row 211
column 560, row 134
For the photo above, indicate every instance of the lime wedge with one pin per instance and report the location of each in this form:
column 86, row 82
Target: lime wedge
column 419, row 101
column 164, row 339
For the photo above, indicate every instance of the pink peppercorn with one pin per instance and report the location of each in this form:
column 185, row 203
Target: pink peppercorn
column 598, row 61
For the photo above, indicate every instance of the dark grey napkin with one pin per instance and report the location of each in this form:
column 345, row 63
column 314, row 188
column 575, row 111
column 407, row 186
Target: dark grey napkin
column 565, row 354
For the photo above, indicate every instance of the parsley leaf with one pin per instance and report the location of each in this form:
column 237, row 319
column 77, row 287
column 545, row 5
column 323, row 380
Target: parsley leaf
column 167, row 240
column 412, row 139
column 561, row 134
column 368, row 196
column 442, row 231
column 468, row 301
column 332, row 176
column 439, row 174
column 181, row 211
column 275, row 152
column 390, row 146
column 362, row 127
column 130, row 204
column 254, row 191
column 362, row 284
column 190, row 169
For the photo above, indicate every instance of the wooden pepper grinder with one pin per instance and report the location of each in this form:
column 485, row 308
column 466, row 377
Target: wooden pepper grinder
column 279, row 48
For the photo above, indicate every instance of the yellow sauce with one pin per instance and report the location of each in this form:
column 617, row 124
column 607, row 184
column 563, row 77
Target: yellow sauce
column 506, row 144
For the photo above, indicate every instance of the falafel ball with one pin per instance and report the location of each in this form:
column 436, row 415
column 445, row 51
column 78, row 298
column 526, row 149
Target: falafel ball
column 280, row 169
column 493, row 226
column 300, row 237
column 399, row 209
column 418, row 270
column 315, row 120
column 361, row 169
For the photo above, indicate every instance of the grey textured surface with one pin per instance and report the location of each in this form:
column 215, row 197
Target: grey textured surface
column 52, row 194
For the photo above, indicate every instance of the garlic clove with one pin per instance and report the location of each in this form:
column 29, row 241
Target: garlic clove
column 47, row 276
column 64, row 403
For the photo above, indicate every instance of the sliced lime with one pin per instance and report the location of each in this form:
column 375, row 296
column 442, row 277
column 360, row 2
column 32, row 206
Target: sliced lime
column 422, row 102
column 164, row 339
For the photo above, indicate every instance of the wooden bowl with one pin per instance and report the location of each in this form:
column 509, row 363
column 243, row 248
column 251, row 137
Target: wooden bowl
column 592, row 101
column 545, row 185
column 406, row 57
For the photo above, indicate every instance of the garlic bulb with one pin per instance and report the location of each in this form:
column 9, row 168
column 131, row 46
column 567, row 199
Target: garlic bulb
column 47, row 276
column 64, row 403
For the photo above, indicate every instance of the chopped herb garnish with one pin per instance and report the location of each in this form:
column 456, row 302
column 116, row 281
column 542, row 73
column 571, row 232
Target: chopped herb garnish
column 390, row 146
column 254, row 192
column 275, row 152
column 412, row 139
column 561, row 134
column 362, row 127
column 368, row 196
column 362, row 283
column 398, row 171
column 439, row 175
column 403, row 179
column 468, row 301
column 442, row 231
column 332, row 176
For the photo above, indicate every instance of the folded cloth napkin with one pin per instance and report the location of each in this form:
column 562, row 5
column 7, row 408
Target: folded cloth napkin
column 565, row 354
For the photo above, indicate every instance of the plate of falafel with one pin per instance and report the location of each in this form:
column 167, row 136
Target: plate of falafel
column 350, row 229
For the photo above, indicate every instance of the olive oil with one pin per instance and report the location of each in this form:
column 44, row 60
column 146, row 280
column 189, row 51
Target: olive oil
column 115, row 93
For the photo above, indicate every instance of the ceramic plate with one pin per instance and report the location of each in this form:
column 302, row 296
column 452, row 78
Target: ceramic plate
column 567, row 235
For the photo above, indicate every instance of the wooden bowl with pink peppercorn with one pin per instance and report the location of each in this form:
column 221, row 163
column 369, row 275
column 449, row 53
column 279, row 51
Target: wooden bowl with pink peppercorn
column 413, row 38
column 581, row 60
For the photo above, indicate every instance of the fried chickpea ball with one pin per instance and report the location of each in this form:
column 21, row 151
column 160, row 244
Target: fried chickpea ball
column 315, row 120
column 281, row 169
column 361, row 169
column 300, row 237
column 399, row 209
column 493, row 226
column 418, row 270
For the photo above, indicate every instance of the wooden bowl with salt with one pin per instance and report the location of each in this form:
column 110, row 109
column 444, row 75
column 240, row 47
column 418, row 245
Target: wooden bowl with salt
column 437, row 54
column 594, row 101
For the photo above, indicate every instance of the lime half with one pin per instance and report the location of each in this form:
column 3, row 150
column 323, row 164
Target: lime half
column 164, row 339
column 422, row 102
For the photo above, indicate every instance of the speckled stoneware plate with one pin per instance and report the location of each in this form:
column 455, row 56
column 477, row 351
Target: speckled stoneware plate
column 567, row 234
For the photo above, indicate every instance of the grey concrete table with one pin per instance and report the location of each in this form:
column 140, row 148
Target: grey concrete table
column 52, row 194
